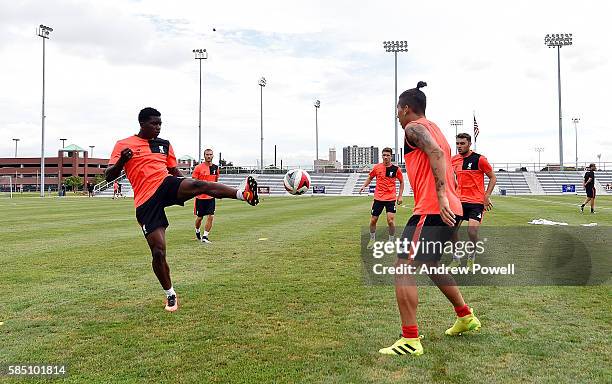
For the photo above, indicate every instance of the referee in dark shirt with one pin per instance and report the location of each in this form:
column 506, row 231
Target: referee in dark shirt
column 589, row 186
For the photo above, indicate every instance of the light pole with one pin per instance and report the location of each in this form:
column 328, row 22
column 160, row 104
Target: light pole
column 91, row 152
column 539, row 150
column 558, row 40
column 16, row 141
column 395, row 47
column 262, row 84
column 317, row 105
column 63, row 142
column 456, row 124
column 576, row 120
column 200, row 54
column 44, row 32
column 599, row 160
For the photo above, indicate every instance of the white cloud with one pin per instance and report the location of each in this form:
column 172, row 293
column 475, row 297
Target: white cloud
column 106, row 60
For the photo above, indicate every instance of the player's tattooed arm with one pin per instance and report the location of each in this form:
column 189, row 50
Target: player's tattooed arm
column 420, row 137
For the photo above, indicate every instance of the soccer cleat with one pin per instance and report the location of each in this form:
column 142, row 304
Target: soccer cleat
column 198, row 236
column 404, row 346
column 249, row 190
column 171, row 303
column 456, row 263
column 205, row 240
column 464, row 324
column 470, row 263
column 371, row 244
column 582, row 208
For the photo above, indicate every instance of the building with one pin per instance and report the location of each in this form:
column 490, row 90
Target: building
column 186, row 164
column 359, row 156
column 331, row 164
column 70, row 161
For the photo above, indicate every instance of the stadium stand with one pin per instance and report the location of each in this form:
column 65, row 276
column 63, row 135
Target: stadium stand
column 552, row 181
column 513, row 183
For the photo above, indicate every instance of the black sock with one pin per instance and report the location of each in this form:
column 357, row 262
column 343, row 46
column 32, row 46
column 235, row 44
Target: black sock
column 592, row 210
column 582, row 205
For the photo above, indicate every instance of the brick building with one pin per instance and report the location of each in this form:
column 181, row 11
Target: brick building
column 70, row 161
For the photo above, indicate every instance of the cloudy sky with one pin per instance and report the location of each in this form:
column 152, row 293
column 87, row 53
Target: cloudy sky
column 108, row 59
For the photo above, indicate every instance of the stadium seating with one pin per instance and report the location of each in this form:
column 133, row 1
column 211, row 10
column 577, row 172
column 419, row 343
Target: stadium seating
column 513, row 183
column 552, row 181
column 604, row 177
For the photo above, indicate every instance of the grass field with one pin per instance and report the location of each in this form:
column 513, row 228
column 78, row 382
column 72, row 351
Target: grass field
column 77, row 288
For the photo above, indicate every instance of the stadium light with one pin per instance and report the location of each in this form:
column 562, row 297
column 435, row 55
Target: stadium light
column 16, row 141
column 91, row 152
column 456, row 124
column 576, row 120
column 317, row 105
column 558, row 40
column 200, row 54
column 262, row 83
column 395, row 47
column 539, row 150
column 44, row 32
column 63, row 142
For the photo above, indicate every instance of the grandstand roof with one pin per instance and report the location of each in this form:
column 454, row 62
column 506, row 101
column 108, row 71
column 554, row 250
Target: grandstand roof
column 73, row 148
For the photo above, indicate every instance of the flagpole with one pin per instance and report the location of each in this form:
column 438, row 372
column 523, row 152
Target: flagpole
column 474, row 119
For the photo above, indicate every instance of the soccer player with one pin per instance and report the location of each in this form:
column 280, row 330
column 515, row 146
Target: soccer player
column 470, row 168
column 385, row 195
column 427, row 156
column 204, row 205
column 115, row 188
column 589, row 185
column 151, row 168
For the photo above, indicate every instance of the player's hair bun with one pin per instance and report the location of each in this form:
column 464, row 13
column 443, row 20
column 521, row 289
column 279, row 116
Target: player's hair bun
column 421, row 84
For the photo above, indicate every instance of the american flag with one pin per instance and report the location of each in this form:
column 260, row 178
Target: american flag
column 476, row 130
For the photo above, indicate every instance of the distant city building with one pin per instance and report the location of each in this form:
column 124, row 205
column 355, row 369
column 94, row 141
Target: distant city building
column 332, row 163
column 359, row 156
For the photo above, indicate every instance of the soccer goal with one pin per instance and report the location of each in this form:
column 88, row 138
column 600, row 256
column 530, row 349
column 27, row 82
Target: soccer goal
column 6, row 186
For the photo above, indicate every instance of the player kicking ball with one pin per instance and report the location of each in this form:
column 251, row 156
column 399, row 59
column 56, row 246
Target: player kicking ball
column 204, row 205
column 428, row 165
column 151, row 168
column 386, row 173
column 470, row 168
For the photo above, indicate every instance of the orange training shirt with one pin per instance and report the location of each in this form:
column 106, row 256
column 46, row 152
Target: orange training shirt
column 421, row 175
column 148, row 166
column 470, row 171
column 206, row 173
column 385, row 181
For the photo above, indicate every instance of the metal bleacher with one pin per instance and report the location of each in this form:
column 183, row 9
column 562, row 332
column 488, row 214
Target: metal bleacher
column 514, row 183
column 604, row 178
column 552, row 181
column 334, row 183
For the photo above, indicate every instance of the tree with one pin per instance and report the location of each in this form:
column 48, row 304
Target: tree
column 73, row 182
column 98, row 179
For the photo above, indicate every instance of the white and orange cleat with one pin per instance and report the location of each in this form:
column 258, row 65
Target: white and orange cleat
column 171, row 303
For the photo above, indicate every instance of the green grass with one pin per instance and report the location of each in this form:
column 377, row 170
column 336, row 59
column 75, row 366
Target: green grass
column 77, row 287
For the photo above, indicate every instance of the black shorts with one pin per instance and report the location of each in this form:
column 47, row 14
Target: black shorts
column 151, row 214
column 472, row 211
column 433, row 235
column 590, row 191
column 377, row 207
column 204, row 207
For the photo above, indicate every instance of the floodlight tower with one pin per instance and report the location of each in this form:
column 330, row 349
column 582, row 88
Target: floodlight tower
column 395, row 47
column 317, row 105
column 200, row 54
column 44, row 32
column 456, row 124
column 262, row 83
column 558, row 40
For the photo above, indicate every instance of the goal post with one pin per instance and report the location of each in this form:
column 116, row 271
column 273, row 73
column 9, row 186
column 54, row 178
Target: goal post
column 4, row 184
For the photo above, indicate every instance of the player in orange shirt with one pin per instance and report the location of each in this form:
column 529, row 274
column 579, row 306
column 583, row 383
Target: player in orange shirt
column 151, row 168
column 428, row 166
column 385, row 194
column 204, row 205
column 470, row 168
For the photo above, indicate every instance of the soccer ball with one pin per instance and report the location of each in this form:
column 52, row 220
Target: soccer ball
column 297, row 181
